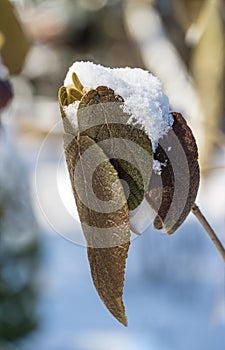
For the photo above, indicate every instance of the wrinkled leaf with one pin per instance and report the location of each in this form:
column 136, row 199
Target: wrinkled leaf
column 172, row 194
column 100, row 116
column 96, row 186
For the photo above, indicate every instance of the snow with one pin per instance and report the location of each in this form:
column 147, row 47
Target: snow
column 157, row 166
column 71, row 111
column 144, row 99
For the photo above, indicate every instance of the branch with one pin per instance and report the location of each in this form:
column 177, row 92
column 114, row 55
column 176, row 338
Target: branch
column 201, row 218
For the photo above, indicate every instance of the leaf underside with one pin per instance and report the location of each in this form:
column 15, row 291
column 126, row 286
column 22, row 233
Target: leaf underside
column 107, row 234
column 173, row 193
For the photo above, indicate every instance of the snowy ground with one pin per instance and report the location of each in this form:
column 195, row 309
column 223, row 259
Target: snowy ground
column 174, row 291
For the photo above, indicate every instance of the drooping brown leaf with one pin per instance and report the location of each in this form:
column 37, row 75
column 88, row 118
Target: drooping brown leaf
column 104, row 216
column 100, row 116
column 172, row 194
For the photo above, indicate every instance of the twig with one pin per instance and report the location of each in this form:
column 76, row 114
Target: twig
column 201, row 218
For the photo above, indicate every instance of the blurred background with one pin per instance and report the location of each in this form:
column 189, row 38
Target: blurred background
column 175, row 286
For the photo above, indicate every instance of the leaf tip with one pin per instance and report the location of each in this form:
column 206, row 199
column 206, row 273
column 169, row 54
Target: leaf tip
column 121, row 317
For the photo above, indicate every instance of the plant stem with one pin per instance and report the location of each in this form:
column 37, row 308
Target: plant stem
column 201, row 218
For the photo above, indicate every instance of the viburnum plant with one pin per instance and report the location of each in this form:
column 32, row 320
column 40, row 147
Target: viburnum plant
column 131, row 162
